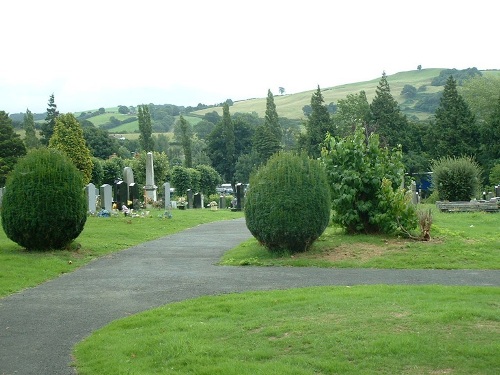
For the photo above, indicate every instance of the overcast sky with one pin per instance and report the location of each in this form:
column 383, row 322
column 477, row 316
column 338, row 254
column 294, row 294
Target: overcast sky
column 105, row 53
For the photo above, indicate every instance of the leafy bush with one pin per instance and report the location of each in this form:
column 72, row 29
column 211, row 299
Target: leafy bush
column 365, row 182
column 44, row 204
column 456, row 178
column 287, row 206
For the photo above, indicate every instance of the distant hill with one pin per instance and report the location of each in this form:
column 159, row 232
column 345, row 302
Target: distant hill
column 423, row 88
column 419, row 107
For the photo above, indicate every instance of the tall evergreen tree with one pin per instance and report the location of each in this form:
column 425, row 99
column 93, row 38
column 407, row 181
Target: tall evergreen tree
column 386, row 118
column 186, row 142
column 267, row 137
column 454, row 132
column 50, row 121
column 490, row 139
column 318, row 124
column 68, row 138
column 11, row 147
column 30, row 139
column 145, row 128
column 352, row 112
column 230, row 144
column 271, row 120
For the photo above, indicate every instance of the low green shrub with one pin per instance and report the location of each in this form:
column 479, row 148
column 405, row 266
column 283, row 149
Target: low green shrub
column 287, row 206
column 456, row 178
column 44, row 204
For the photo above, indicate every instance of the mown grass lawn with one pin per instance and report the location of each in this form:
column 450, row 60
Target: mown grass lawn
column 459, row 241
column 322, row 330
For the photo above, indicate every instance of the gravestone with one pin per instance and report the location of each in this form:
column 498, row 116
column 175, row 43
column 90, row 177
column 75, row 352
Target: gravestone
column 106, row 193
column 91, row 198
column 222, row 201
column 121, row 194
column 497, row 190
column 150, row 187
column 414, row 195
column 190, row 198
column 197, row 201
column 133, row 193
column 166, row 190
column 239, row 196
column 128, row 178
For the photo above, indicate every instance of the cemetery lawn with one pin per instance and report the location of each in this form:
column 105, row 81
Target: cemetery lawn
column 20, row 269
column 321, row 330
column 459, row 240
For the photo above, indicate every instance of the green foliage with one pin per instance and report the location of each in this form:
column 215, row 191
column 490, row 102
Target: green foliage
column 287, row 206
column 456, row 178
column 186, row 142
column 181, row 180
column 409, row 91
column 352, row 112
column 68, row 138
column 365, row 182
column 494, row 176
column 30, row 138
column 97, row 172
column 460, row 75
column 161, row 167
column 11, row 147
column 113, row 170
column 99, row 142
column 44, row 204
column 209, row 179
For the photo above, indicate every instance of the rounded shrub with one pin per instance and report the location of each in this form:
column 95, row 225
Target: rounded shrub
column 287, row 206
column 44, row 203
column 456, row 178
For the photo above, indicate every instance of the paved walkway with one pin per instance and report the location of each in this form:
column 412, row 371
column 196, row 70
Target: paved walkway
column 40, row 326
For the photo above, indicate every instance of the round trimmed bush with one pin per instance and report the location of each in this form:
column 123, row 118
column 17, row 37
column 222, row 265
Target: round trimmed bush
column 44, row 204
column 456, row 178
column 287, row 206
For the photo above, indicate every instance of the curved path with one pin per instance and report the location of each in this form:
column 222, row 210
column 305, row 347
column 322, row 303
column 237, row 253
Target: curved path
column 39, row 326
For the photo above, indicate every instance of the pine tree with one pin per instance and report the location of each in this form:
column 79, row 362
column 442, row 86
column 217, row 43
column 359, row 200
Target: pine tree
column 30, row 139
column 317, row 126
column 68, row 138
column 186, row 142
column 229, row 145
column 146, row 137
column 267, row 137
column 454, row 132
column 490, row 139
column 386, row 118
column 11, row 147
column 50, row 121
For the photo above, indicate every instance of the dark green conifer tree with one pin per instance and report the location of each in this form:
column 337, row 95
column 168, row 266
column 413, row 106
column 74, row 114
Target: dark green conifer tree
column 318, row 124
column 30, row 139
column 50, row 121
column 186, row 142
column 454, row 131
column 386, row 118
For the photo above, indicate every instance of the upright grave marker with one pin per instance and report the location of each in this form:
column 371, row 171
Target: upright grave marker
column 150, row 187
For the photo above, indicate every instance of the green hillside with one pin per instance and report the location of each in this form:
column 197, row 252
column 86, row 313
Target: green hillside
column 290, row 106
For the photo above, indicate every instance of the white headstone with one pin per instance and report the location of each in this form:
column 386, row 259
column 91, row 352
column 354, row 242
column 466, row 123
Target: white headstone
column 106, row 193
column 166, row 189
column 91, row 198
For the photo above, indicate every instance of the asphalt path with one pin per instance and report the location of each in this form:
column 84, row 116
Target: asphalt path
column 40, row 326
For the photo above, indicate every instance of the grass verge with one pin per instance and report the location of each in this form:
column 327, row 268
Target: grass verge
column 321, row 330
column 459, row 241
column 21, row 269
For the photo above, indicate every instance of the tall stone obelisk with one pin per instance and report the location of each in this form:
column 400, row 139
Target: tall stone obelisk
column 150, row 187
